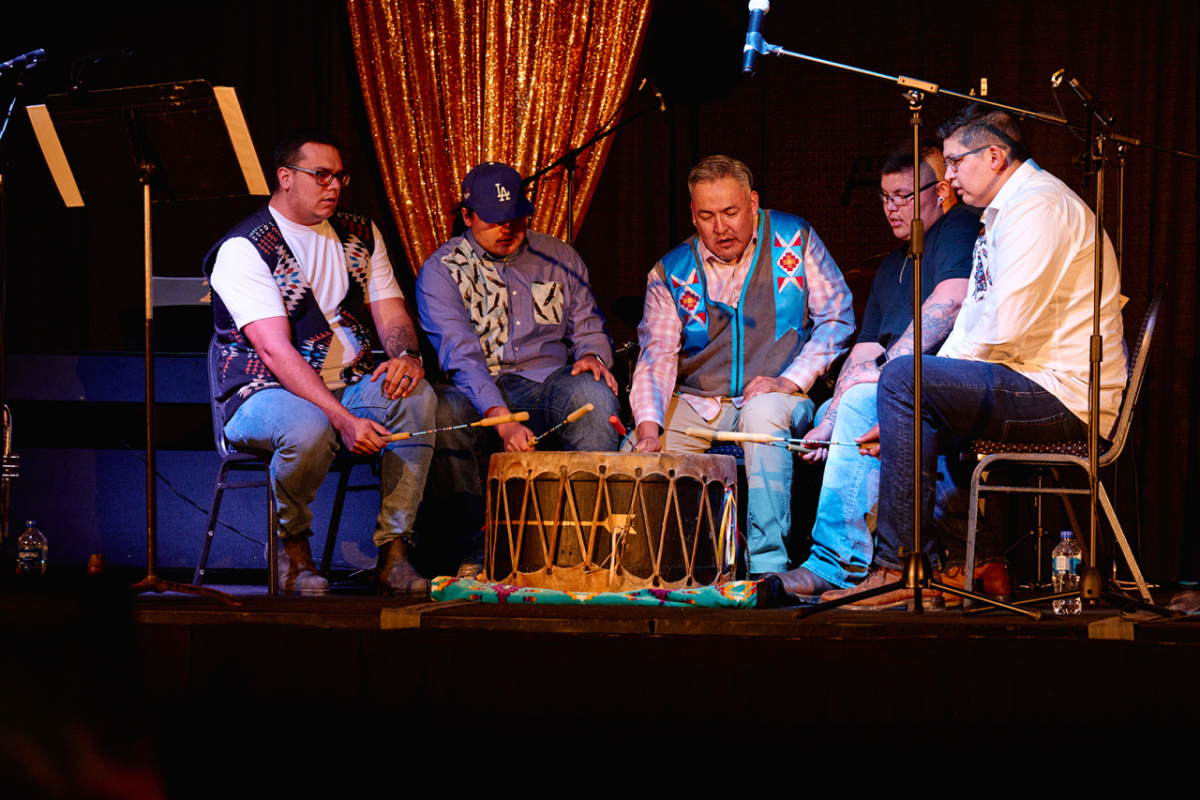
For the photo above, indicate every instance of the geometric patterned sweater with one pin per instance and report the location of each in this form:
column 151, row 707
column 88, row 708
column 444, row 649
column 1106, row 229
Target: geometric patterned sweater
column 241, row 372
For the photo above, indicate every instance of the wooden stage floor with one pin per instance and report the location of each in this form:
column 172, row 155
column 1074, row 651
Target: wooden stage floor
column 217, row 690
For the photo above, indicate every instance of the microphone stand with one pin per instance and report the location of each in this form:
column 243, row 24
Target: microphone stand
column 570, row 160
column 918, row 572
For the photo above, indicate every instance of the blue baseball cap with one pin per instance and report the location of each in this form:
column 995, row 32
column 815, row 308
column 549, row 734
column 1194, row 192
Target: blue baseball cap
column 494, row 193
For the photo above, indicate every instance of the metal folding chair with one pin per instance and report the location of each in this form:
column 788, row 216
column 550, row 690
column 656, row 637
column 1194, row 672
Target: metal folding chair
column 239, row 462
column 1070, row 454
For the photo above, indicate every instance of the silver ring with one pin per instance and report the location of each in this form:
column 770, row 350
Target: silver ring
column 406, row 378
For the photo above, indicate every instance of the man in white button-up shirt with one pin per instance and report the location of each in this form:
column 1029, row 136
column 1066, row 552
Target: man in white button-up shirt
column 1015, row 366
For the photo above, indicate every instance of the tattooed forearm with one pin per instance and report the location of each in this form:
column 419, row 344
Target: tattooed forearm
column 397, row 339
column 856, row 370
column 937, row 318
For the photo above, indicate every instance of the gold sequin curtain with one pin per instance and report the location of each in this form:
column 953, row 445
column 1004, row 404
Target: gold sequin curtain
column 451, row 83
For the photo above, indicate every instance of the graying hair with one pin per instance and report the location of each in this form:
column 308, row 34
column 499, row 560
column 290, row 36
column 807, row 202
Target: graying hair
column 714, row 168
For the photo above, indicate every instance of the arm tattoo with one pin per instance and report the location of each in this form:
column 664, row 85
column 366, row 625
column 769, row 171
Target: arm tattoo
column 854, row 372
column 397, row 339
column 937, row 318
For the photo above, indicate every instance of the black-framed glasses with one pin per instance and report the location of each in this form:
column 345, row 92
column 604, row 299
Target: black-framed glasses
column 902, row 199
column 324, row 177
column 954, row 161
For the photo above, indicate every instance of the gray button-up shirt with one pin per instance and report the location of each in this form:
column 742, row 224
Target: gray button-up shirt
column 530, row 314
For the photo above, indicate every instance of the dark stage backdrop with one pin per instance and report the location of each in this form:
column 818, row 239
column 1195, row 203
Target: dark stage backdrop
column 74, row 276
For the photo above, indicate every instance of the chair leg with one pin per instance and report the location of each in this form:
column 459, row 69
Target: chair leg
column 972, row 530
column 1119, row 535
column 218, row 492
column 272, row 543
column 335, row 518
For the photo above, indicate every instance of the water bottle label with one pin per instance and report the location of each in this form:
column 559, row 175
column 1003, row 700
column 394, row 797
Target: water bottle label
column 1068, row 564
column 29, row 556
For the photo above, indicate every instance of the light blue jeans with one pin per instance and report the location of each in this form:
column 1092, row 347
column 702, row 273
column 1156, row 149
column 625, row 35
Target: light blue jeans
column 304, row 443
column 843, row 535
column 768, row 468
column 842, row 543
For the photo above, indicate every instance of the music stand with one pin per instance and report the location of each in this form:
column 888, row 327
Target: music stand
column 176, row 141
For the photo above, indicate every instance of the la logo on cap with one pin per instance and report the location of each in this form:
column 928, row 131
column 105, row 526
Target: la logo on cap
column 502, row 194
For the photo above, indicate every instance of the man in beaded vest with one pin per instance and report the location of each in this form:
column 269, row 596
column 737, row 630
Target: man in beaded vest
column 740, row 320
column 293, row 285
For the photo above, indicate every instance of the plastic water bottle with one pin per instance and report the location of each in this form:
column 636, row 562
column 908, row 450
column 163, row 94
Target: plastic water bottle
column 1066, row 559
column 31, row 551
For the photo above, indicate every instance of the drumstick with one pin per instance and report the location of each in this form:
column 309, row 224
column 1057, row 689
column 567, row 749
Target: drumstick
column 615, row 421
column 486, row 422
column 731, row 436
column 572, row 417
column 764, row 438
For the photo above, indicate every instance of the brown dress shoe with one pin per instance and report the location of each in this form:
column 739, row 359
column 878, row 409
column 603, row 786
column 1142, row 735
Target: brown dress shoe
column 297, row 572
column 802, row 583
column 991, row 578
column 899, row 598
column 397, row 576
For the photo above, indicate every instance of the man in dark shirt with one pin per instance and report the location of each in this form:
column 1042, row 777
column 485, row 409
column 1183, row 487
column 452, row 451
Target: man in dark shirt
column 842, row 536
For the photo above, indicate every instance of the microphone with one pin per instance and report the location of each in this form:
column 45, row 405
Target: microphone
column 30, row 59
column 754, row 39
column 662, row 104
column 1092, row 104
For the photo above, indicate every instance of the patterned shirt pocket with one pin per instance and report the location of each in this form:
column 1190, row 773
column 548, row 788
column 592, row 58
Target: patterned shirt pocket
column 547, row 302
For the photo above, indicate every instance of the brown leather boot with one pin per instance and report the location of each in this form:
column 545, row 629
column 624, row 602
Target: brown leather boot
column 898, row 598
column 397, row 576
column 991, row 578
column 297, row 572
column 803, row 583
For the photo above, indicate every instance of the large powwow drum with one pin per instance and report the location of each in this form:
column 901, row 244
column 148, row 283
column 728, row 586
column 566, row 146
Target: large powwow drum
column 610, row 522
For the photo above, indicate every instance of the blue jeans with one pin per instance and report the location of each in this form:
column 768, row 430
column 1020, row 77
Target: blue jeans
column 768, row 468
column 455, row 496
column 842, row 541
column 969, row 399
column 844, row 531
column 304, row 443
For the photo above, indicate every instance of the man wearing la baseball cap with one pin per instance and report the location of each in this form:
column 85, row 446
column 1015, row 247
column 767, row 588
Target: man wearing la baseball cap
column 515, row 324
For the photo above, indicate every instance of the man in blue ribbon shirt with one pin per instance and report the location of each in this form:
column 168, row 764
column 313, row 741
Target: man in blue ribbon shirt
column 740, row 320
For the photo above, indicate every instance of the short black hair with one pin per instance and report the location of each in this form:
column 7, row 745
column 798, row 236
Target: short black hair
column 981, row 126
column 899, row 159
column 289, row 147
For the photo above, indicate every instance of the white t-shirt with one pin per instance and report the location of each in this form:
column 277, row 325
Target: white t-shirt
column 248, row 289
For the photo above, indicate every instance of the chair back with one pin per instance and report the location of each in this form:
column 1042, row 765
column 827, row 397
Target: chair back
column 217, row 406
column 1138, row 360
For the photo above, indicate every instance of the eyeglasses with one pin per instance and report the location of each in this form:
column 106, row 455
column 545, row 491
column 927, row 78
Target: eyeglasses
column 902, row 199
column 954, row 161
column 324, row 177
